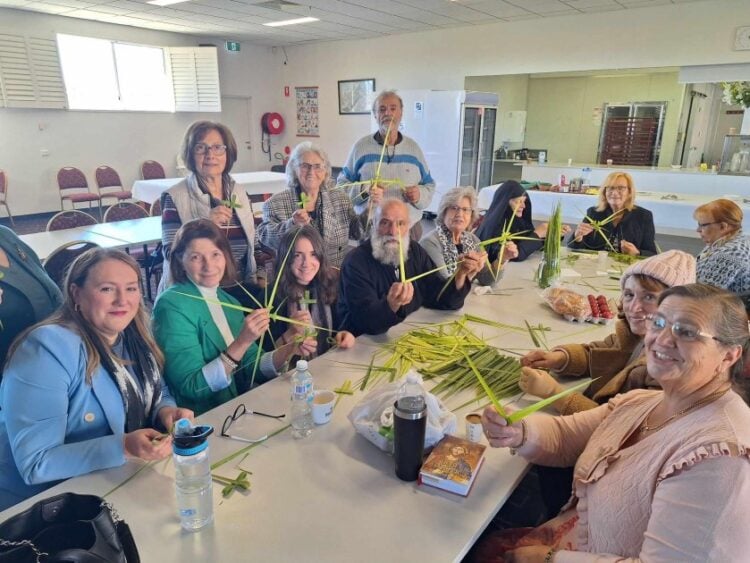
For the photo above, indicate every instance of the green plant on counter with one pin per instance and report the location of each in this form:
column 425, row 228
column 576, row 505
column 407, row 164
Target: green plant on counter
column 736, row 93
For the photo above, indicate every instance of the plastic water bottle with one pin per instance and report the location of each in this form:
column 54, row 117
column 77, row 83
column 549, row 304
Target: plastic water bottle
column 409, row 426
column 302, row 397
column 193, row 485
column 585, row 178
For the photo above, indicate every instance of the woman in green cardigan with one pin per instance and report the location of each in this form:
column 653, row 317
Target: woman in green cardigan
column 210, row 350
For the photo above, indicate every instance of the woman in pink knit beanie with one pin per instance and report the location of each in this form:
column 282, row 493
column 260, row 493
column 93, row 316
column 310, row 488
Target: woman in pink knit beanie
column 660, row 475
column 617, row 361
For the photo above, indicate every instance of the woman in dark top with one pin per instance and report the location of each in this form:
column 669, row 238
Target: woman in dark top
column 27, row 294
column 510, row 197
column 307, row 291
column 631, row 232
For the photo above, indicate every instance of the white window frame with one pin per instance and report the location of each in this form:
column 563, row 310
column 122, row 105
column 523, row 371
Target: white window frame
column 116, row 96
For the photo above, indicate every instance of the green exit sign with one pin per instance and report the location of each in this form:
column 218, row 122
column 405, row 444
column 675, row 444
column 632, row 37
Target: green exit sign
column 233, row 46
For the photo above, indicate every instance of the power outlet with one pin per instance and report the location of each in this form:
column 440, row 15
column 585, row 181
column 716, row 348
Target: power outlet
column 44, row 152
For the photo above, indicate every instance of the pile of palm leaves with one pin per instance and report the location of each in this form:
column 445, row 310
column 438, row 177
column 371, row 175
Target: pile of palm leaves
column 444, row 353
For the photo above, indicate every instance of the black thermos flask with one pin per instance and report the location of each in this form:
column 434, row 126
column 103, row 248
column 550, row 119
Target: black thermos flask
column 409, row 425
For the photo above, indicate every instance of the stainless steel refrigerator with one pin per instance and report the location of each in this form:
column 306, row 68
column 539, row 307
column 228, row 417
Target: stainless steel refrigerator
column 456, row 131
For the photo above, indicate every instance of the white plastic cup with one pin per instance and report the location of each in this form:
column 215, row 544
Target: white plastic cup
column 473, row 427
column 322, row 406
column 609, row 162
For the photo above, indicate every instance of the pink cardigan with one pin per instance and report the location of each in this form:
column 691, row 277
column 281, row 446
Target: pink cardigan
column 680, row 494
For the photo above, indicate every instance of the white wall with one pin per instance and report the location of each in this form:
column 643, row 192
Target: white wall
column 123, row 140
column 670, row 35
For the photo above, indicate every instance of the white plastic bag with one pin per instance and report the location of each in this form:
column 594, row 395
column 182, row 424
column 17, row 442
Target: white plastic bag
column 373, row 416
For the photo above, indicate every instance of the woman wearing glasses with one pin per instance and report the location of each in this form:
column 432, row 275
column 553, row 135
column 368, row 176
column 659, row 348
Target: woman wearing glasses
column 659, row 475
column 308, row 201
column 630, row 229
column 451, row 239
column 725, row 261
column 618, row 362
column 209, row 192
column 209, row 349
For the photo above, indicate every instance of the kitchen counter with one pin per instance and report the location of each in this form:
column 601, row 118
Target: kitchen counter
column 649, row 178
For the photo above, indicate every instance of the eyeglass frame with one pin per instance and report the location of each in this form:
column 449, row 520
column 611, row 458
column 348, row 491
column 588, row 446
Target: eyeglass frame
column 651, row 318
column 317, row 167
column 457, row 208
column 203, row 148
column 618, row 188
column 241, row 411
column 702, row 226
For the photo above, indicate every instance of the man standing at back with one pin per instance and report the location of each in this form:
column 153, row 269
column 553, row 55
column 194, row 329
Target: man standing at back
column 403, row 160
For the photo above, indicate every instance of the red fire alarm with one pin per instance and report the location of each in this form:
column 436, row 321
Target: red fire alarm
column 286, row 91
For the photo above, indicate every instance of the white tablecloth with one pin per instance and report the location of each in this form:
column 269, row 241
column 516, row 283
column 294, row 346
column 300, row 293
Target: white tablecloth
column 255, row 183
column 671, row 217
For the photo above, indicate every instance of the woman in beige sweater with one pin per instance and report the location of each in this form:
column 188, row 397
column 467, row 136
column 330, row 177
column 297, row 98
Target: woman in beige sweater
column 617, row 362
column 659, row 475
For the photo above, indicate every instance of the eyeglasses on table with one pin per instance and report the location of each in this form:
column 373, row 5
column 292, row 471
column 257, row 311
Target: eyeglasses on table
column 239, row 412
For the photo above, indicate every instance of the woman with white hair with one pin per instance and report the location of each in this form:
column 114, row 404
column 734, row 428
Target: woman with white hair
column 451, row 240
column 308, row 201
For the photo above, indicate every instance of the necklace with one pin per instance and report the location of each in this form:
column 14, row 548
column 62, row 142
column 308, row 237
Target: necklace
column 704, row 401
column 390, row 154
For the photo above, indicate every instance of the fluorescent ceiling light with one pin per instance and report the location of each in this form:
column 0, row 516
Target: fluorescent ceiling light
column 288, row 22
column 165, row 2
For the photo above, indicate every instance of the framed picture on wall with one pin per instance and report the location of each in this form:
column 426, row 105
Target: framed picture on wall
column 355, row 96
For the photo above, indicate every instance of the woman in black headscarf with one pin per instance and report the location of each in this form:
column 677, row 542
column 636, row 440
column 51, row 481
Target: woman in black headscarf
column 510, row 197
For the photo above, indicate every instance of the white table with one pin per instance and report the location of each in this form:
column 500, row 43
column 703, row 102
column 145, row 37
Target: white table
column 334, row 496
column 46, row 242
column 254, row 183
column 131, row 232
column 106, row 235
column 671, row 217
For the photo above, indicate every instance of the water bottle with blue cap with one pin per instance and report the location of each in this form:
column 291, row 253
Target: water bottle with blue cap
column 193, row 485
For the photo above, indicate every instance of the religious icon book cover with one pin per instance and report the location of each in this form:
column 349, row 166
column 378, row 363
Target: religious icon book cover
column 453, row 465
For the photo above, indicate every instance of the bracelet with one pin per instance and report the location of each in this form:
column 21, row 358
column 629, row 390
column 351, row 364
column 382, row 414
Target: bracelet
column 550, row 555
column 227, row 360
column 524, row 436
column 226, row 353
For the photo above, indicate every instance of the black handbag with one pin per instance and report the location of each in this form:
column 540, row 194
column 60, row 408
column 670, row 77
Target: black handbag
column 67, row 528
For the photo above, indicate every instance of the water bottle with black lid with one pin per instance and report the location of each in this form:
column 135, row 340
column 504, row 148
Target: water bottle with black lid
column 193, row 486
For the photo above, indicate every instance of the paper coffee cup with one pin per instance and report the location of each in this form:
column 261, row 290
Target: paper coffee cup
column 322, row 406
column 473, row 427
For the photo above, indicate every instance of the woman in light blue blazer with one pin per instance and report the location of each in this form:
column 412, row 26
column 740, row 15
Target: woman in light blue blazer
column 83, row 390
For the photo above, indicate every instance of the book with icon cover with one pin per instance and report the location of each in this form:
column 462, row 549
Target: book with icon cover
column 453, row 465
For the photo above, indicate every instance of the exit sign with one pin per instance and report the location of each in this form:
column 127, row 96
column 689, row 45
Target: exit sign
column 233, row 46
